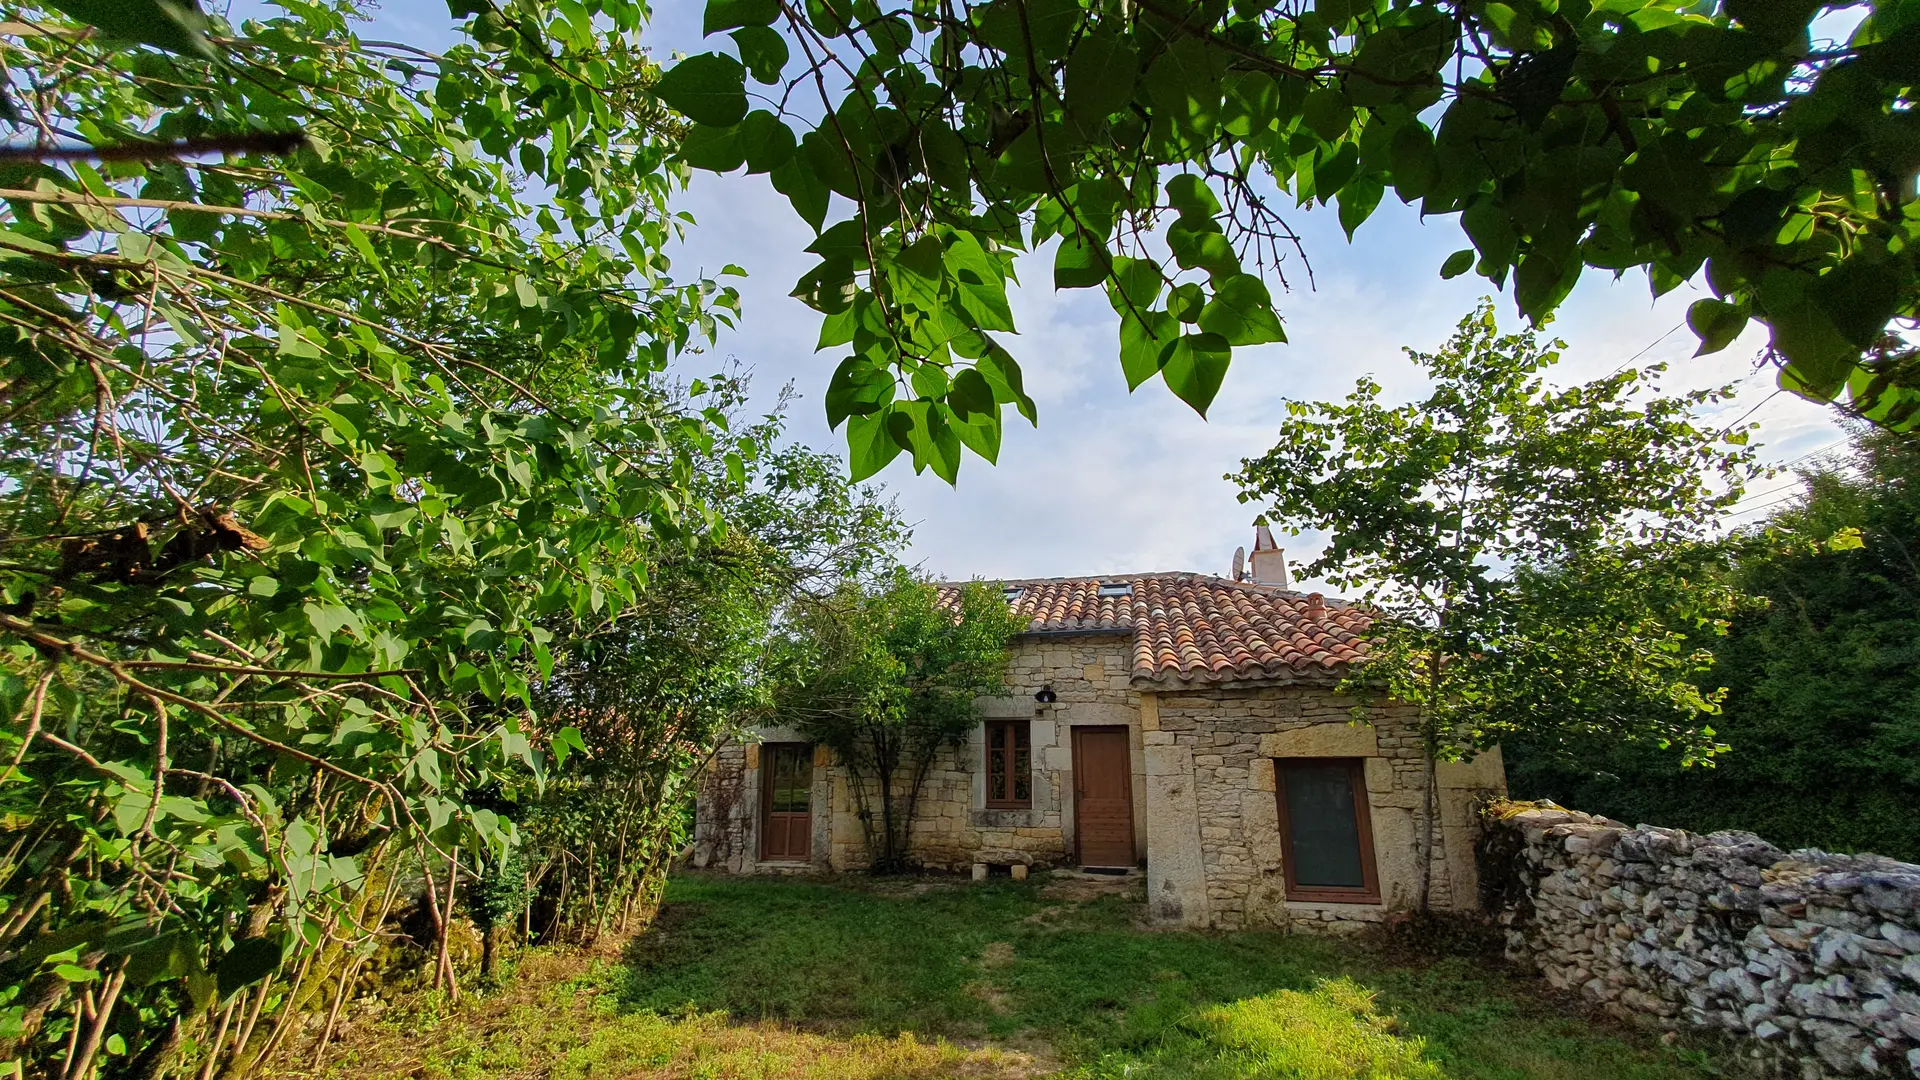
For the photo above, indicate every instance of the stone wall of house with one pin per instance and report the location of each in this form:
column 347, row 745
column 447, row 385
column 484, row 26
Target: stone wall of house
column 1204, row 801
column 726, row 819
column 1811, row 960
column 953, row 828
column 722, row 821
column 1215, row 815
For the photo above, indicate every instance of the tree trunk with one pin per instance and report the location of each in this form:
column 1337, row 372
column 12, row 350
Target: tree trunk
column 445, row 958
column 1429, row 812
column 1430, row 746
column 886, row 764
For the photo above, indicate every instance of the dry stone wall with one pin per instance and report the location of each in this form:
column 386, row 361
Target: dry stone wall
column 1811, row 960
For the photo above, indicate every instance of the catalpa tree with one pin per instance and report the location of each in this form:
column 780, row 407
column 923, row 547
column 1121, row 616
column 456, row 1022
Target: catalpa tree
column 1158, row 140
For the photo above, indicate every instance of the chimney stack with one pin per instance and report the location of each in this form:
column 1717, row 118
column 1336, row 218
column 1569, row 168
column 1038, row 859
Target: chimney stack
column 1268, row 564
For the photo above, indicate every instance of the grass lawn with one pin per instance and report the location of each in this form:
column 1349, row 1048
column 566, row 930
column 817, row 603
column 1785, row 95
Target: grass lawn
column 768, row 978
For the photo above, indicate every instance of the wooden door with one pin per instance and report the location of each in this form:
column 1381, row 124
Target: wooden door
column 786, row 794
column 1102, row 796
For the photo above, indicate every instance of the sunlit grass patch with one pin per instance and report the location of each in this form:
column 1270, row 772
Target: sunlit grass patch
column 711, row 1047
column 1331, row 1032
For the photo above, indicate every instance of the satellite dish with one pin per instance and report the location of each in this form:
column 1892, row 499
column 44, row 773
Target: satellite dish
column 1239, row 563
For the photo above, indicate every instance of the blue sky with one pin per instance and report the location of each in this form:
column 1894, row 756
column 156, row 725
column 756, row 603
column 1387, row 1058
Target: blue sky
column 1113, row 482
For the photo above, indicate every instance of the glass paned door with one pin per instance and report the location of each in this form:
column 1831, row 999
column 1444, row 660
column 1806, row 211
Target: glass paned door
column 786, row 786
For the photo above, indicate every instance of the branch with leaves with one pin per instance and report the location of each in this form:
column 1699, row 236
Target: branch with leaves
column 927, row 144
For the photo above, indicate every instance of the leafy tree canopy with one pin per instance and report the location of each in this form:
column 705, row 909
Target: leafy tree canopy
column 1157, row 140
column 1533, row 550
column 312, row 428
column 886, row 676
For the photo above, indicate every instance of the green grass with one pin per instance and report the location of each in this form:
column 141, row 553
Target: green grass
column 1007, row 962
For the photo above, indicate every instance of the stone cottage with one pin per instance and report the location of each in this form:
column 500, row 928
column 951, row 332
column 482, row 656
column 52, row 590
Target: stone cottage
column 1177, row 721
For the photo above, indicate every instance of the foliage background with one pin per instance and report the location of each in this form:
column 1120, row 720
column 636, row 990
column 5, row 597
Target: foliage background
column 1822, row 711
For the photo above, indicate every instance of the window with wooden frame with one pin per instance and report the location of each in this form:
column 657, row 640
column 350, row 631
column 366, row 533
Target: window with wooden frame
column 1326, row 835
column 1009, row 764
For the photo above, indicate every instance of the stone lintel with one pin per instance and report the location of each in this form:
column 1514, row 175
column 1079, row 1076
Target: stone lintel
column 1331, row 739
column 1005, row 708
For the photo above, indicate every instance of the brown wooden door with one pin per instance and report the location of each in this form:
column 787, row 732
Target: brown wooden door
column 1102, row 796
column 786, row 793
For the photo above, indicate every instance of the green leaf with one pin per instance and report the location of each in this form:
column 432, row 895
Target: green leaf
column 710, row 88
column 1252, row 103
column 1081, row 262
column 1135, row 284
column 1716, row 323
column 1457, row 263
column 1146, row 340
column 858, row 388
column 1187, row 301
column 1334, row 170
column 997, row 366
column 1861, row 296
column 1195, row 368
column 565, row 742
column 174, row 25
column 246, row 963
column 727, row 14
column 870, row 445
column 1205, row 248
column 714, row 149
column 802, row 187
column 767, row 143
column 1358, row 198
column 762, row 50
column 931, row 439
column 970, row 394
column 1327, row 114
column 1415, row 163
column 828, row 288
column 981, row 435
column 1195, row 202
column 1241, row 311
column 1338, row 13
column 1101, row 75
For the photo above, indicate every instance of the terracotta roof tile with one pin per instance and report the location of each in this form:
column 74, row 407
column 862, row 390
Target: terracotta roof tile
column 1199, row 628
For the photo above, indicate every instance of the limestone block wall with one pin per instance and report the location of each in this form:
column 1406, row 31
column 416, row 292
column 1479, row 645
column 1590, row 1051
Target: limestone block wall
column 1217, row 857
column 1811, row 960
column 726, row 819
column 722, row 817
column 953, row 828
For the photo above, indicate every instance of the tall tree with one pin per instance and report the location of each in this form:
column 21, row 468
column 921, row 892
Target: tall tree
column 885, row 676
column 1532, row 551
column 1157, row 141
column 652, row 695
column 309, row 423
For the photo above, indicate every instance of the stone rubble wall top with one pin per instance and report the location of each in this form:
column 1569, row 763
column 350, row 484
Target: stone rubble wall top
column 1809, row 959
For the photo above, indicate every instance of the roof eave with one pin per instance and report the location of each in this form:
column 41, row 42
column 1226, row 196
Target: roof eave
column 1173, row 682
